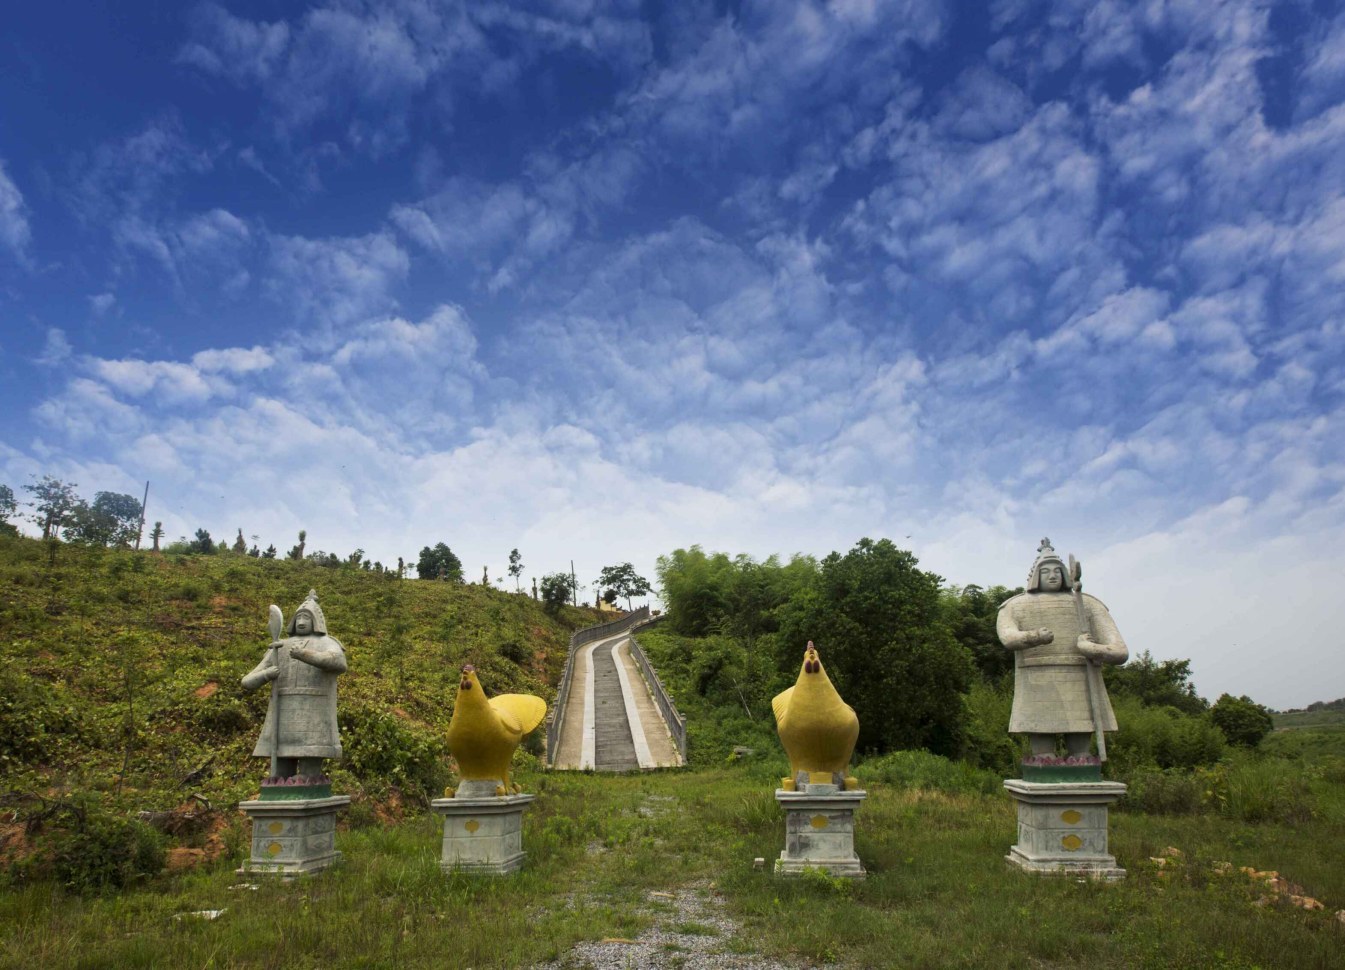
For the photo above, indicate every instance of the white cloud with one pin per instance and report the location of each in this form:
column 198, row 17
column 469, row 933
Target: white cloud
column 337, row 281
column 56, row 349
column 15, row 233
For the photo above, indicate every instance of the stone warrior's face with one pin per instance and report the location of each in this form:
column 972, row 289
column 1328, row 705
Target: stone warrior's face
column 1051, row 577
column 303, row 623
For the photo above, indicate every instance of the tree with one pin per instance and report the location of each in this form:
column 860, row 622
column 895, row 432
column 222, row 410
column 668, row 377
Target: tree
column 53, row 502
column 240, row 544
column 1243, row 721
column 112, row 520
column 972, row 613
column 1165, row 683
column 516, row 568
column 8, row 506
column 557, row 589
column 624, row 581
column 882, row 633
column 270, row 552
column 203, row 544
column 156, row 534
column 439, row 562
column 297, row 552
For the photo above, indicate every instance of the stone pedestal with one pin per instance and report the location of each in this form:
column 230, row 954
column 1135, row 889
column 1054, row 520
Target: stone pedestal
column 1062, row 827
column 293, row 836
column 482, row 834
column 820, row 831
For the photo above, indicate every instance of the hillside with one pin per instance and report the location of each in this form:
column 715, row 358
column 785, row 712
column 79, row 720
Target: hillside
column 119, row 671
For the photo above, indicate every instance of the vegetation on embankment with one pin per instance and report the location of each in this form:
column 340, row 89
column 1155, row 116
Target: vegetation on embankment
column 119, row 670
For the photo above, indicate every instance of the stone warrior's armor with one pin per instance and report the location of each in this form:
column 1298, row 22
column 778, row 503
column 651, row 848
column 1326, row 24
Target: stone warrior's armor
column 308, row 665
column 1051, row 674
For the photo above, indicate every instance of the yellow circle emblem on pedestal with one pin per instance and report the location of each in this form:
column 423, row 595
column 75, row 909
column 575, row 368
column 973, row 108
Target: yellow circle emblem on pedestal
column 274, row 848
column 1072, row 843
column 472, row 825
column 1071, row 816
column 275, row 828
column 819, row 821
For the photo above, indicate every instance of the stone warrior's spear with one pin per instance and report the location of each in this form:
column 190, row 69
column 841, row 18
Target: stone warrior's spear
column 277, row 625
column 1094, row 671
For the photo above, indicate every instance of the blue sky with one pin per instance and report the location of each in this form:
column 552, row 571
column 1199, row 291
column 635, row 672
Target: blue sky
column 602, row 280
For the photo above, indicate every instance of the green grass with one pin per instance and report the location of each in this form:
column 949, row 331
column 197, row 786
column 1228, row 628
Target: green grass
column 106, row 666
column 119, row 671
column 938, row 894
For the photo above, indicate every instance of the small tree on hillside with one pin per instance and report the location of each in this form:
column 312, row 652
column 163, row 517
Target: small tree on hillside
column 240, row 544
column 298, row 551
column 439, row 562
column 516, row 568
column 624, row 581
column 203, row 544
column 53, row 502
column 156, row 534
column 8, row 506
column 557, row 590
column 1243, row 721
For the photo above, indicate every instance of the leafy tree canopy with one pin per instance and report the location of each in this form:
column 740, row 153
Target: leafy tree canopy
column 557, row 590
column 971, row 613
column 881, row 631
column 1157, row 683
column 53, row 503
column 439, row 562
column 112, row 520
column 1243, row 721
column 8, row 506
column 624, row 581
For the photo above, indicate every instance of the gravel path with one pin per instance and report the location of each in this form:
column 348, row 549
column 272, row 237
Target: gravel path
column 691, row 930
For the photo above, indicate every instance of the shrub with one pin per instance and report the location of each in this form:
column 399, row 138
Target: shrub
column 1161, row 737
column 989, row 744
column 92, row 850
column 921, row 769
column 1243, row 721
column 380, row 748
column 32, row 719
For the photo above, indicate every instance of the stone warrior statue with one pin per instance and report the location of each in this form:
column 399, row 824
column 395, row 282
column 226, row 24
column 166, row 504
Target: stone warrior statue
column 300, row 728
column 1060, row 636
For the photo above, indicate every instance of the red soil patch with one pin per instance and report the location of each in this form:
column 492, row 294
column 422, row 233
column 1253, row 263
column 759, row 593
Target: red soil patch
column 206, row 690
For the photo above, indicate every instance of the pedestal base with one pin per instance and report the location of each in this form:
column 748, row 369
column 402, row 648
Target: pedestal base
column 292, row 837
column 1062, row 827
column 482, row 834
column 820, row 831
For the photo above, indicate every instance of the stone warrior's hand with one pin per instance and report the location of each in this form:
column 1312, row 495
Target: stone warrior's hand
column 1036, row 638
column 1087, row 646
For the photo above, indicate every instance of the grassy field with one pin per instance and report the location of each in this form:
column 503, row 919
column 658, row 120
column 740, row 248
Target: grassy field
column 605, row 853
column 119, row 676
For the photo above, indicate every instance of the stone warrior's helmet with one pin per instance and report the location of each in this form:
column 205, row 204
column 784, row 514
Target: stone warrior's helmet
column 310, row 606
column 1046, row 553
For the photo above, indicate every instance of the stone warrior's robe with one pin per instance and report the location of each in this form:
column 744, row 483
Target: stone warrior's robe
column 306, row 692
column 1050, row 687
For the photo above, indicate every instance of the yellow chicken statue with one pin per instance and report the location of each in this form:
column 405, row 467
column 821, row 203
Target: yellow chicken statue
column 817, row 728
column 484, row 732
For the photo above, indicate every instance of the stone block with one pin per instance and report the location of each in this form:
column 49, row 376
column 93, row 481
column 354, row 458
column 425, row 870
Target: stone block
column 482, row 834
column 820, row 832
column 1063, row 827
column 293, row 836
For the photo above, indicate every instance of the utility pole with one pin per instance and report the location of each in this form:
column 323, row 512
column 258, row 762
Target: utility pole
column 141, row 530
column 574, row 586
